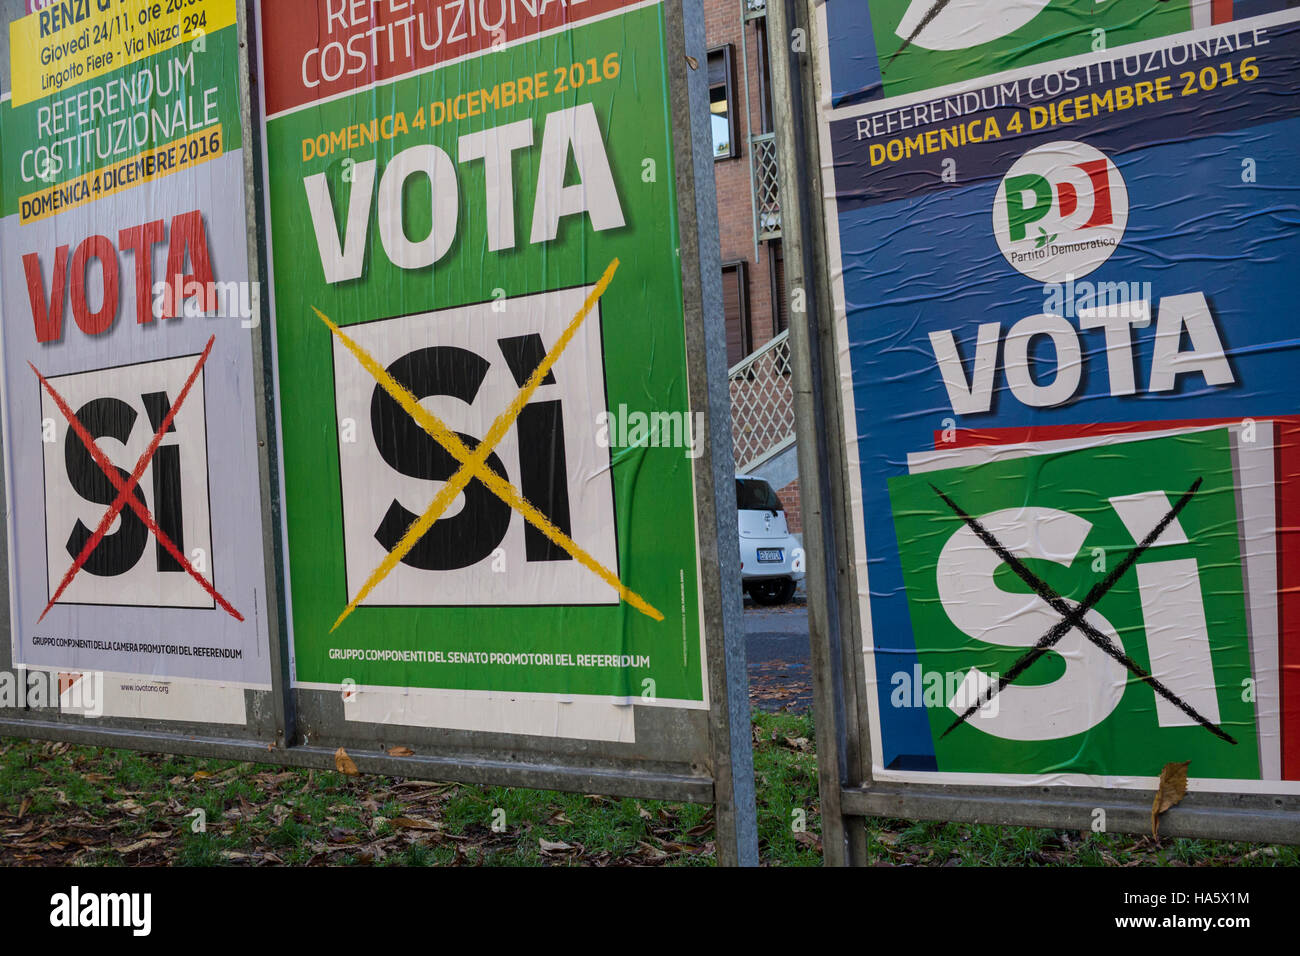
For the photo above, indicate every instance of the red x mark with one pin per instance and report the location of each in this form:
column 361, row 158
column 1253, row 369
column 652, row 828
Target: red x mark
column 126, row 489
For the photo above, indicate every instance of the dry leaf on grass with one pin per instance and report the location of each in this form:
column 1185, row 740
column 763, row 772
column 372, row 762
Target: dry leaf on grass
column 344, row 764
column 652, row 853
column 137, row 846
column 414, row 823
column 1173, row 786
column 548, row 846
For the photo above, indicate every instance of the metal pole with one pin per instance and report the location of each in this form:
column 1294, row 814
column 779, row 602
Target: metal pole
column 730, row 734
column 282, row 702
column 798, row 164
column 851, row 686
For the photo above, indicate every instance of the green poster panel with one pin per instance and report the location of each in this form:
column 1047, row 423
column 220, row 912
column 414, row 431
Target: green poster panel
column 925, row 44
column 481, row 361
column 1071, row 518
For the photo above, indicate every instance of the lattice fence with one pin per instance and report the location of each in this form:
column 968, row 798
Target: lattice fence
column 762, row 404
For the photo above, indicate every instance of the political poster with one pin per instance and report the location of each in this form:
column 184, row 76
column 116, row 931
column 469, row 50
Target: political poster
column 488, row 448
column 130, row 442
column 1063, row 294
column 880, row 49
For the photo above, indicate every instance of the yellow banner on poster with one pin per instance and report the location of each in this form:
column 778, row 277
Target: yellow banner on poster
column 72, row 41
column 155, row 164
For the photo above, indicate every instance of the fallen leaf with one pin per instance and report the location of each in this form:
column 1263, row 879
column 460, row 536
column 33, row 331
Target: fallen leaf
column 141, row 845
column 553, row 847
column 1262, row 851
column 26, row 805
column 202, row 774
column 1173, row 786
column 801, row 744
column 650, row 852
column 692, row 62
column 344, row 764
column 414, row 823
column 400, row 751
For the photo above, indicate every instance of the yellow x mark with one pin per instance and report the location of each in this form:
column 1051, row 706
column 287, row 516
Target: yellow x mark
column 474, row 464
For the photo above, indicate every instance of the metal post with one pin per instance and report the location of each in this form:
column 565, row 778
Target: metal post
column 731, row 741
column 819, row 454
column 282, row 703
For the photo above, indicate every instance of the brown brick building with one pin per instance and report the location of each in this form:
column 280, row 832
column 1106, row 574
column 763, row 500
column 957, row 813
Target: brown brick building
column 754, row 294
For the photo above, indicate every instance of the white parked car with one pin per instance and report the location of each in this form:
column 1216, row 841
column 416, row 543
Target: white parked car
column 771, row 560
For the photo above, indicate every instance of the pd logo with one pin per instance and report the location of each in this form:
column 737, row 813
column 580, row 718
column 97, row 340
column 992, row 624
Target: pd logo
column 1060, row 211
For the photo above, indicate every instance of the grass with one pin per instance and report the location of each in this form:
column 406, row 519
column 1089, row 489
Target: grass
column 63, row 804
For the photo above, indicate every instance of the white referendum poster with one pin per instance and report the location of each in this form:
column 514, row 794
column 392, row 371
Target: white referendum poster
column 129, row 406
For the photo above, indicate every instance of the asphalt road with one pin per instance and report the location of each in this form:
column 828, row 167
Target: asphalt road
column 776, row 640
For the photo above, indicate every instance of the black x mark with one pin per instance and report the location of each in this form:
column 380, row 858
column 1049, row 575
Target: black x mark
column 1072, row 618
column 925, row 22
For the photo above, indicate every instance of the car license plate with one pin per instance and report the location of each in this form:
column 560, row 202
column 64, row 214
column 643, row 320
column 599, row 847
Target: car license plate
column 770, row 554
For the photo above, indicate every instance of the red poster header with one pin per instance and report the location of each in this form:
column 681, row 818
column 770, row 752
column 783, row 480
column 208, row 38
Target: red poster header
column 316, row 49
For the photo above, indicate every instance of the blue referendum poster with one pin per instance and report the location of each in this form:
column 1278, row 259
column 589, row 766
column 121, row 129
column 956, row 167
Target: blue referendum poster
column 1065, row 317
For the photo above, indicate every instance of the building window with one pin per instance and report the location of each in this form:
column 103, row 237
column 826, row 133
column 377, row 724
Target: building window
column 735, row 309
column 780, row 301
column 722, row 103
column 764, row 77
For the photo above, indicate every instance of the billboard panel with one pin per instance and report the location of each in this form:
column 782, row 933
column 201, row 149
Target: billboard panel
column 131, row 456
column 488, row 445
column 883, row 49
column 1067, row 365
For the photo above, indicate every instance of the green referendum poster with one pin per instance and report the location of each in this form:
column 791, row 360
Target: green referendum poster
column 1070, row 518
column 487, row 449
column 926, row 44
column 882, row 49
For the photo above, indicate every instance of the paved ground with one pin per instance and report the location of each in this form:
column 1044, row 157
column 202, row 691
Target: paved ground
column 776, row 639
